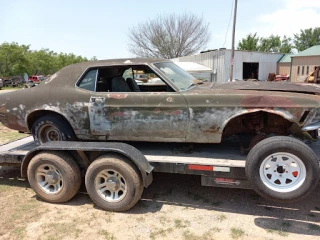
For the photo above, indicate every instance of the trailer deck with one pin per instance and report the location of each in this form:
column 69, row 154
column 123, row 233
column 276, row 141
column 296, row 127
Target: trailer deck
column 218, row 164
column 218, row 154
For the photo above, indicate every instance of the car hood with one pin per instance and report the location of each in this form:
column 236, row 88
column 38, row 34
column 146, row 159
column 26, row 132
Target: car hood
column 306, row 88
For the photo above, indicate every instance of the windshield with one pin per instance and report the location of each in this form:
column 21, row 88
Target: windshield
column 177, row 75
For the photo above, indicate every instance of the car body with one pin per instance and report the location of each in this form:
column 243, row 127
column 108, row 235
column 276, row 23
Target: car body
column 93, row 101
column 1, row 83
column 142, row 77
column 36, row 78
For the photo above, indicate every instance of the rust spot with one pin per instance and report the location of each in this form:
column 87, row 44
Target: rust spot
column 174, row 113
column 117, row 96
column 118, row 114
column 177, row 112
column 267, row 101
column 157, row 110
column 169, row 99
column 213, row 129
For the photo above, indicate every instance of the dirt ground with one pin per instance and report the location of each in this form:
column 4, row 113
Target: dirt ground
column 173, row 207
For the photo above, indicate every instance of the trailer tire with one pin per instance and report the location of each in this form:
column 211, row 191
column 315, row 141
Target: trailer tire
column 54, row 176
column 51, row 128
column 282, row 169
column 114, row 183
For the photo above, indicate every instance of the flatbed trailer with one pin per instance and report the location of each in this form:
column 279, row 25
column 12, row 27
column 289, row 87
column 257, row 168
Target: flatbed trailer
column 219, row 165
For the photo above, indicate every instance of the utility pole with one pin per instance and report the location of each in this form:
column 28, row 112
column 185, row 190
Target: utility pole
column 233, row 34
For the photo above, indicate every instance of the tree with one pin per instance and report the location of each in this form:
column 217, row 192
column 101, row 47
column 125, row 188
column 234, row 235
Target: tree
column 270, row 44
column 286, row 45
column 169, row 36
column 273, row 43
column 307, row 38
column 17, row 59
column 13, row 58
column 250, row 43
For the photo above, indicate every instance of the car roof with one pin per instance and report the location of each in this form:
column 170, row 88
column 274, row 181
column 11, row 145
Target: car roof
column 121, row 61
column 71, row 73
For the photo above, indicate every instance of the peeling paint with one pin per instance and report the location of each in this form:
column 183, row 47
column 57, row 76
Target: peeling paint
column 203, row 113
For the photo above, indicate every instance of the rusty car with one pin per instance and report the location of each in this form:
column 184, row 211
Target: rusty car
column 102, row 101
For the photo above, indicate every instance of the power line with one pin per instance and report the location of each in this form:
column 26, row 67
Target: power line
column 225, row 39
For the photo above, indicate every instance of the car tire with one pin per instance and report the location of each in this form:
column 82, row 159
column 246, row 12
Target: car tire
column 282, row 169
column 54, row 176
column 51, row 128
column 114, row 183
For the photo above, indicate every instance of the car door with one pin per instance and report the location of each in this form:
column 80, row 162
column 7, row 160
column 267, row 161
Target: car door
column 141, row 116
column 147, row 116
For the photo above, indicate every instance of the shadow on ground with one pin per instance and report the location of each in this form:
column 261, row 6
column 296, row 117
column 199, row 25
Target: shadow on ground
column 186, row 191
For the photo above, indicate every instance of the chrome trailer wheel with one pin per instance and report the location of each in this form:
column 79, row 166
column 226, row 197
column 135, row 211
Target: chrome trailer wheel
column 114, row 183
column 54, row 176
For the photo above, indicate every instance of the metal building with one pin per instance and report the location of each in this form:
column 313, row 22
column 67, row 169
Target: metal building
column 247, row 65
column 303, row 63
column 284, row 64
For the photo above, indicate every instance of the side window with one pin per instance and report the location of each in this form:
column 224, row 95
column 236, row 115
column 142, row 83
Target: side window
column 298, row 72
column 302, row 70
column 88, row 82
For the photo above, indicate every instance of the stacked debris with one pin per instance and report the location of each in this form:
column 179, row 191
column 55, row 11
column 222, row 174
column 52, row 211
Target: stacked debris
column 314, row 77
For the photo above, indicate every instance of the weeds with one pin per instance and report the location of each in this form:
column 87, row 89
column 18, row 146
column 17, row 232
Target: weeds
column 236, row 233
column 314, row 227
column 107, row 235
column 160, row 232
column 181, row 224
column 221, row 217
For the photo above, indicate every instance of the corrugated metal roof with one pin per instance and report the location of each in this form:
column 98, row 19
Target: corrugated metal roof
column 313, row 51
column 286, row 58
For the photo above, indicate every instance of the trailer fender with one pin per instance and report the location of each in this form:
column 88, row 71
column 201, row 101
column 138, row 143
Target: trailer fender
column 123, row 149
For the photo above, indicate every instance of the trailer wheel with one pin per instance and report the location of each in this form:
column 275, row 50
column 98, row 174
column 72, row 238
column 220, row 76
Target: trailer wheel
column 50, row 128
column 282, row 169
column 54, row 176
column 114, row 183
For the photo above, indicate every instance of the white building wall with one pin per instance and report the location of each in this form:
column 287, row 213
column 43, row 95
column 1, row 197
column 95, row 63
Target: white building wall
column 219, row 61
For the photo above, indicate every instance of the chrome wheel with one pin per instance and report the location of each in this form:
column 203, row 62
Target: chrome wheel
column 282, row 172
column 49, row 179
column 110, row 185
column 49, row 133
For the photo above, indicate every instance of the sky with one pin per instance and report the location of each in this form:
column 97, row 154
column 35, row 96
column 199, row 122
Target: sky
column 100, row 27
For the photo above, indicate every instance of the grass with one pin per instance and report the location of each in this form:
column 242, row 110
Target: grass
column 107, row 235
column 11, row 183
column 164, row 220
column 236, row 233
column 216, row 204
column 19, row 232
column 280, row 232
column 11, row 88
column 181, row 224
column 58, row 230
column 315, row 227
column 194, row 196
column 221, row 217
column 286, row 224
column 8, row 135
column 191, row 236
column 160, row 232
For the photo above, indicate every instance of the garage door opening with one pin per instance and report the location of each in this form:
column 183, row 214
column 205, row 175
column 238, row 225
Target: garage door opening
column 250, row 70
